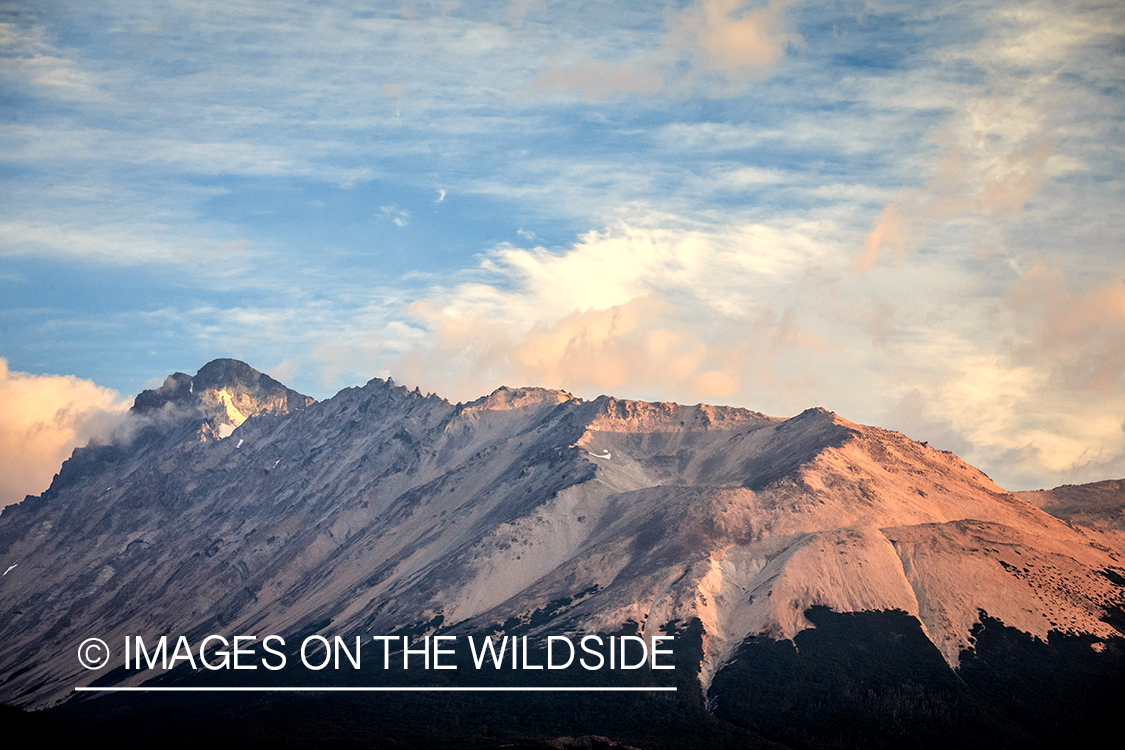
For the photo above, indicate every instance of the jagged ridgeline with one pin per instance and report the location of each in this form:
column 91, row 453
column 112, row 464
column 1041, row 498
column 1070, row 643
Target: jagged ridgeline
column 827, row 584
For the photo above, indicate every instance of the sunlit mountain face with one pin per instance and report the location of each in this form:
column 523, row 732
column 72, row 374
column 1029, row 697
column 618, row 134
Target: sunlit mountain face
column 690, row 374
column 815, row 582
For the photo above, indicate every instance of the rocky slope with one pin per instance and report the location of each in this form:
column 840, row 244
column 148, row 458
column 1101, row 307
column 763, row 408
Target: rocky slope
column 1098, row 507
column 236, row 505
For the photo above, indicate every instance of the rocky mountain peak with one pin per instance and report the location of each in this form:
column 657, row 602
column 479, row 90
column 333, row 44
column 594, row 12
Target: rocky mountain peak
column 622, row 415
column 505, row 398
column 235, row 388
column 247, row 392
column 177, row 389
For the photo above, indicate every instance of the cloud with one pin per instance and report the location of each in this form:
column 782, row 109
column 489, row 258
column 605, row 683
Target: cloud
column 31, row 61
column 1080, row 337
column 912, row 416
column 518, row 10
column 895, row 228
column 721, row 37
column 1014, row 420
column 1029, row 385
column 731, row 39
column 886, row 135
column 353, row 176
column 400, row 217
column 631, row 311
column 998, row 184
column 1045, row 33
column 43, row 418
column 599, row 80
column 1033, row 119
column 123, row 244
column 643, row 345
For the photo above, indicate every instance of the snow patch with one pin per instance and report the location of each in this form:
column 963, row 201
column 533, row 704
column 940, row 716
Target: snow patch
column 233, row 414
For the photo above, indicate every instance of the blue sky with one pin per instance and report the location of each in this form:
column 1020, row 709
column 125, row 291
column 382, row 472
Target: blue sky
column 907, row 213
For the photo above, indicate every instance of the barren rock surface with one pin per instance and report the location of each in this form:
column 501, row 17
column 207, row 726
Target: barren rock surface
column 238, row 506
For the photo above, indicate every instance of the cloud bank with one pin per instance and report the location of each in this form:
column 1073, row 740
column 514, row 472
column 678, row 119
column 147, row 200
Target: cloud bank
column 43, row 418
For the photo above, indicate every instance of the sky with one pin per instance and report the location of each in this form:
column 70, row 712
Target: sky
column 908, row 213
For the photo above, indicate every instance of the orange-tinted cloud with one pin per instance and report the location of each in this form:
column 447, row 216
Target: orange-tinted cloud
column 42, row 419
column 1009, row 190
column 1000, row 186
column 640, row 345
column 714, row 36
column 598, row 80
column 889, row 231
column 1080, row 336
column 636, row 312
column 727, row 37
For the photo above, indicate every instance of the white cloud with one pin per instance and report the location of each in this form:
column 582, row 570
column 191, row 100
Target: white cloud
column 31, row 61
column 648, row 310
column 1042, row 33
column 400, row 217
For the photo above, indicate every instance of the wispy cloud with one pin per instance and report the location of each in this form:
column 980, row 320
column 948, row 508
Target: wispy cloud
column 733, row 39
column 1079, row 337
column 597, row 80
column 400, row 217
column 32, row 63
column 908, row 214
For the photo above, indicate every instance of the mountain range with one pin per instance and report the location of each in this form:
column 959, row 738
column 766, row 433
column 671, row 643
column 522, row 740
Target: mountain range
column 829, row 584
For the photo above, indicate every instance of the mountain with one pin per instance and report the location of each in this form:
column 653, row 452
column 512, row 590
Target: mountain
column 877, row 589
column 228, row 393
column 1098, row 505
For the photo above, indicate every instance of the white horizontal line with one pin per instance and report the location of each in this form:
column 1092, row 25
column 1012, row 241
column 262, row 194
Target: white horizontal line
column 375, row 689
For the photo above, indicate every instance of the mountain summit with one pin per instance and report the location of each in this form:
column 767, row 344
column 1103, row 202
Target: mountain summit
column 226, row 391
column 242, row 506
